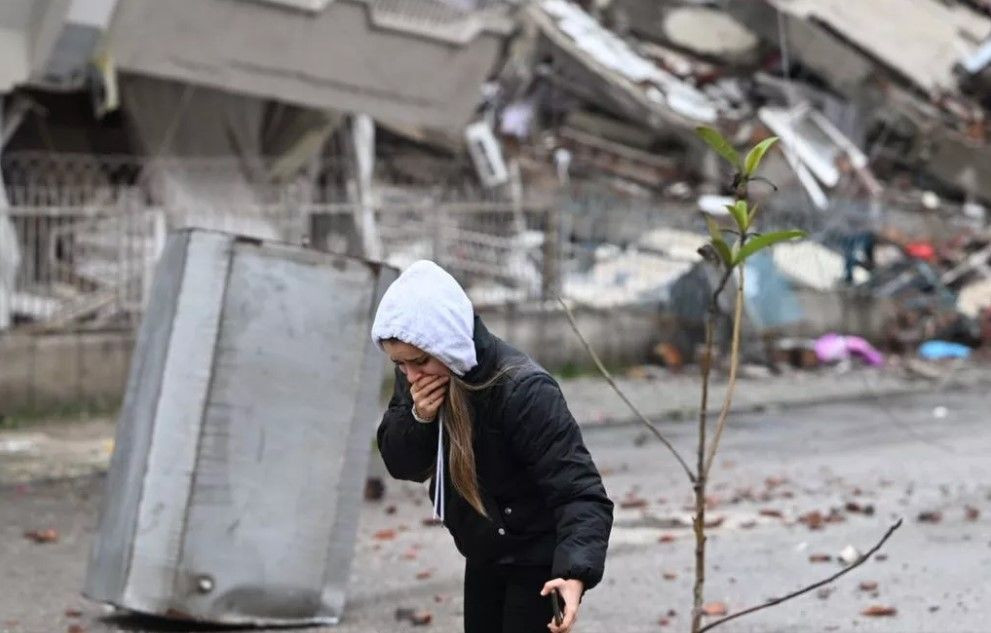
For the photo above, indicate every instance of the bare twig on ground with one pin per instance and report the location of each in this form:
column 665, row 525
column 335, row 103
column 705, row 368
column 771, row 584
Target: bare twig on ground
column 807, row 588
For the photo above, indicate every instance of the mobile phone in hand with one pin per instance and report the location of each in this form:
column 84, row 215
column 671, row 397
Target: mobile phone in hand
column 556, row 602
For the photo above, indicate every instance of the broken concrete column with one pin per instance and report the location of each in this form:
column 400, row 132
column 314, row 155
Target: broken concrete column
column 9, row 261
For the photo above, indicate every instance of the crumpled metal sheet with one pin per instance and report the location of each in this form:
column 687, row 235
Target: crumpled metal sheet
column 243, row 440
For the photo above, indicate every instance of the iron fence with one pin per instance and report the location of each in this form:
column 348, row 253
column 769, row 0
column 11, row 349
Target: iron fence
column 92, row 264
column 90, row 228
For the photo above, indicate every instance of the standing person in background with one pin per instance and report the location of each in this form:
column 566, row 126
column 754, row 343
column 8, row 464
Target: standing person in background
column 510, row 475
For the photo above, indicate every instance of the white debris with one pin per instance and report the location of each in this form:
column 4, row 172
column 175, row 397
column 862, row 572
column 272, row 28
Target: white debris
column 25, row 444
column 402, row 257
column 495, row 294
column 889, row 30
column 630, row 278
column 709, row 32
column 715, row 205
column 814, row 266
column 608, row 50
column 680, row 245
column 974, row 297
column 849, row 555
column 641, row 274
column 814, row 140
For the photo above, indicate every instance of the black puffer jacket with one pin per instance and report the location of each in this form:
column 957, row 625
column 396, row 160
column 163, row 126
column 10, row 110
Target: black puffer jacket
column 544, row 497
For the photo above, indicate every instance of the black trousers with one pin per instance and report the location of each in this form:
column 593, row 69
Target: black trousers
column 506, row 599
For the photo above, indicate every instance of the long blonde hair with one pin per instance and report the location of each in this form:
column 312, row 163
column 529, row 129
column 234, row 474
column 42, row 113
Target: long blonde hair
column 460, row 427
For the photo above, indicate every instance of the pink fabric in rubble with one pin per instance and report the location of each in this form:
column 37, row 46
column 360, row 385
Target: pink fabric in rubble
column 832, row 347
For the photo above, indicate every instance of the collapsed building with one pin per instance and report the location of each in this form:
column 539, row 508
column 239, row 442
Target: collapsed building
column 559, row 135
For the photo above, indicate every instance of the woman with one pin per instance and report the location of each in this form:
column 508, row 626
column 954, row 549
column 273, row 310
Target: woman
column 513, row 483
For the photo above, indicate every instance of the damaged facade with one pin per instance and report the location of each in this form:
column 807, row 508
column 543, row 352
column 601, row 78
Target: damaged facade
column 556, row 153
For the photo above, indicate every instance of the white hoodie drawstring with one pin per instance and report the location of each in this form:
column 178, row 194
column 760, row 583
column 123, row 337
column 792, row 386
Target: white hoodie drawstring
column 439, row 471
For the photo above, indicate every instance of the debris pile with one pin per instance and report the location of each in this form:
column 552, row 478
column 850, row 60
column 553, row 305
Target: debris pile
column 559, row 156
column 883, row 122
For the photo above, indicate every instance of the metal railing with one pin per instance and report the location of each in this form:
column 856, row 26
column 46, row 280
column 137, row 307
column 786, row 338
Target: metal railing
column 83, row 263
column 92, row 265
column 90, row 228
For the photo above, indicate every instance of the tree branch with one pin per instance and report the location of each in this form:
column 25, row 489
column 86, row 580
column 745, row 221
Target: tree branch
column 698, row 522
column 734, row 361
column 764, row 180
column 605, row 374
column 809, row 588
column 719, row 289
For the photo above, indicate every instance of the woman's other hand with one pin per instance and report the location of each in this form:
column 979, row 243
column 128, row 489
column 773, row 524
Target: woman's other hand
column 428, row 394
column 571, row 595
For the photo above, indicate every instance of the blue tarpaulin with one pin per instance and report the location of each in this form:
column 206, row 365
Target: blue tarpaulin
column 936, row 350
column 769, row 298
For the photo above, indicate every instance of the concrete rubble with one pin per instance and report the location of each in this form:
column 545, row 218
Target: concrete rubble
column 882, row 121
column 591, row 107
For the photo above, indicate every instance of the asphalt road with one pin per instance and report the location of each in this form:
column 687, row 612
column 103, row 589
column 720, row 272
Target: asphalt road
column 901, row 459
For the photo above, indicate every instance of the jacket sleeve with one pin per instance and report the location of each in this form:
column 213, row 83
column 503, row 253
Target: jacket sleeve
column 408, row 447
column 547, row 439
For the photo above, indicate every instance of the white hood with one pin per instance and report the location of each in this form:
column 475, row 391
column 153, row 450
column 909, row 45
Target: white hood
column 427, row 308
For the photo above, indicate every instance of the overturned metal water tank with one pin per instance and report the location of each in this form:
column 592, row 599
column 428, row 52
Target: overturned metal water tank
column 241, row 450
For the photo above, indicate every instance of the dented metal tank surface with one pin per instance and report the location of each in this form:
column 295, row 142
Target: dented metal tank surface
column 244, row 436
